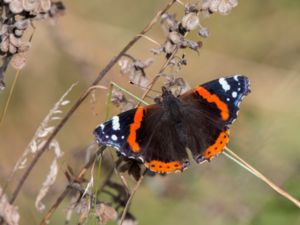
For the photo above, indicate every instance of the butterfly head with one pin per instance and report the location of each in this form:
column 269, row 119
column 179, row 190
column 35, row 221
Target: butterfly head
column 166, row 92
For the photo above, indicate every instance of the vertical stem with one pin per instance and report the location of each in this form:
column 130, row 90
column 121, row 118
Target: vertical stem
column 265, row 179
column 9, row 97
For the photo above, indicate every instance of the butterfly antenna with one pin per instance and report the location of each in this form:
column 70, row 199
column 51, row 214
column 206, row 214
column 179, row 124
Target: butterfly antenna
column 146, row 88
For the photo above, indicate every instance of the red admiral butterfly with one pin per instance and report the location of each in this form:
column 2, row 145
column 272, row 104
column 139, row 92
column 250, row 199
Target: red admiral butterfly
column 160, row 134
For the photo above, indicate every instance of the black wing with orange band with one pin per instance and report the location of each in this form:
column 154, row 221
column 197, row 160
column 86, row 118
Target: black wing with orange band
column 213, row 107
column 146, row 133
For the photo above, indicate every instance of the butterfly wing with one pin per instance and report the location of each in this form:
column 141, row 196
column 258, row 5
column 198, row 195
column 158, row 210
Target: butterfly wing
column 211, row 108
column 162, row 147
column 145, row 133
column 114, row 132
column 148, row 133
column 227, row 93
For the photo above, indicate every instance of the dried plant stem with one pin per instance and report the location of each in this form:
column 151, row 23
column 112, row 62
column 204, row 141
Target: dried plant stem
column 129, row 93
column 67, row 189
column 106, row 69
column 154, row 80
column 134, row 190
column 150, row 39
column 9, row 97
column 263, row 178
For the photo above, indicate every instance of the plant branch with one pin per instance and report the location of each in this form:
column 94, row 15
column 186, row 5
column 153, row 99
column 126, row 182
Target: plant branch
column 134, row 190
column 263, row 178
column 9, row 97
column 67, row 189
column 84, row 96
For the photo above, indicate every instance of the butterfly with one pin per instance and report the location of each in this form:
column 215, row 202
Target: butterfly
column 160, row 135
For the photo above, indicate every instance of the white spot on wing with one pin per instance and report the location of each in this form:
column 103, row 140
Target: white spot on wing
column 123, row 137
column 234, row 94
column 115, row 123
column 236, row 77
column 228, row 99
column 102, row 126
column 224, row 84
column 114, row 137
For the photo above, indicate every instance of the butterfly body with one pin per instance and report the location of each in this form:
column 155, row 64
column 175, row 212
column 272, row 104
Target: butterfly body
column 161, row 134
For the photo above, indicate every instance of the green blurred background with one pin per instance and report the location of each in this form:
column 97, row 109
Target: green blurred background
column 260, row 39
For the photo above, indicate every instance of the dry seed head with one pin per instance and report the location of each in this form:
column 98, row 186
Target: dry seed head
column 30, row 5
column 119, row 100
column 45, row 5
column 176, row 84
column 12, row 49
column 169, row 21
column 4, row 46
column 175, row 37
column 15, row 6
column 169, row 47
column 222, row 7
column 18, row 61
column 105, row 213
column 22, row 24
column 190, row 21
column 191, row 8
column 203, row 32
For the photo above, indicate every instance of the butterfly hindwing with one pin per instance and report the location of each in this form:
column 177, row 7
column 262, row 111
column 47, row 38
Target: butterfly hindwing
column 204, row 127
column 162, row 148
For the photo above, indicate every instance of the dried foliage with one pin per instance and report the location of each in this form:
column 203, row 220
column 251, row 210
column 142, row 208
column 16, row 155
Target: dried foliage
column 120, row 100
column 51, row 177
column 105, row 213
column 17, row 16
column 44, row 131
column 8, row 212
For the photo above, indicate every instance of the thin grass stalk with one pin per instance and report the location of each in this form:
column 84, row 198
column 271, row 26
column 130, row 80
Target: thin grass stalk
column 134, row 190
column 76, row 105
column 67, row 189
column 130, row 94
column 9, row 98
column 264, row 178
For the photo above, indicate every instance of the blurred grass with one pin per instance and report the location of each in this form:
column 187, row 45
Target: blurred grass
column 259, row 39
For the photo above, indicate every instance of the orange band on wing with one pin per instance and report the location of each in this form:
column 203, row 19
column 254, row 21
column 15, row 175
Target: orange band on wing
column 218, row 146
column 164, row 167
column 138, row 117
column 212, row 98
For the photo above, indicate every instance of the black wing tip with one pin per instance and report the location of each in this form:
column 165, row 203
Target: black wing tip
column 247, row 84
column 97, row 135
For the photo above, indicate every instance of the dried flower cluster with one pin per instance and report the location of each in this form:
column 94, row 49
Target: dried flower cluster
column 176, row 31
column 119, row 99
column 16, row 18
column 223, row 7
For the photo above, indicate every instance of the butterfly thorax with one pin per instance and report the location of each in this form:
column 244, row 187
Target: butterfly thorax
column 172, row 107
